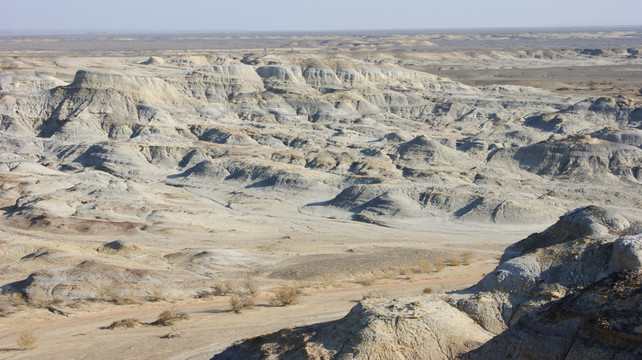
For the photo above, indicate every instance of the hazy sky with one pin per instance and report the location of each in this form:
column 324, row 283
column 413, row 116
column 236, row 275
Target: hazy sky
column 277, row 15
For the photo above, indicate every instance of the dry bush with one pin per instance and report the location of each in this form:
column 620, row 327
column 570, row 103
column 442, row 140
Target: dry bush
column 366, row 280
column 156, row 293
column 239, row 303
column 593, row 85
column 424, row 266
column 222, row 288
column 375, row 294
column 27, row 340
column 328, row 280
column 467, row 257
column 389, row 274
column 174, row 333
column 168, row 317
column 439, row 263
column 17, row 299
column 124, row 323
column 408, row 272
column 251, row 286
column 428, row 290
column 37, row 297
column 6, row 307
column 286, row 295
column 113, row 294
column 454, row 261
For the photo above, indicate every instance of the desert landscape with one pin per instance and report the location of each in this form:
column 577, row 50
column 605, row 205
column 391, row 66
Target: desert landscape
column 356, row 195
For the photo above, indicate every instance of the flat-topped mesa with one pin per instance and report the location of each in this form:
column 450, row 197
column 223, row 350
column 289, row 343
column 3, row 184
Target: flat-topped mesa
column 142, row 88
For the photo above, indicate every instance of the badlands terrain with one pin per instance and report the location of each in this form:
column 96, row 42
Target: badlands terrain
column 379, row 175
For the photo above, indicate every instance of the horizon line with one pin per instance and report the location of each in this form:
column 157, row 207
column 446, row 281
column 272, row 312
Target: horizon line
column 93, row 32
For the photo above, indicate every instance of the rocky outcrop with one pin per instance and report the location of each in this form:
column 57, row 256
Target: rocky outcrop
column 601, row 321
column 401, row 329
column 571, row 290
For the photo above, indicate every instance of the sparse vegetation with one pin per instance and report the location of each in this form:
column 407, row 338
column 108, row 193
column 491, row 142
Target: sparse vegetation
column 424, row 266
column 375, row 294
column 222, row 288
column 467, row 257
column 111, row 293
column 251, row 286
column 174, row 333
column 37, row 297
column 124, row 323
column 27, row 340
column 328, row 280
column 366, row 280
column 454, row 261
column 428, row 290
column 286, row 295
column 408, row 272
column 156, row 293
column 169, row 317
column 6, row 307
column 239, row 303
column 439, row 263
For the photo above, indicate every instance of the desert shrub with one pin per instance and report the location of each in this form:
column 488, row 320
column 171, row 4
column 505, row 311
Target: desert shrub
column 6, row 306
column 439, row 263
column 366, row 280
column 27, row 340
column 375, row 294
column 328, row 280
column 467, row 257
column 169, row 317
column 454, row 261
column 251, row 286
column 408, row 272
column 111, row 293
column 424, row 266
column 389, row 274
column 593, row 85
column 238, row 303
column 124, row 323
column 37, row 297
column 286, row 295
column 174, row 333
column 428, row 290
column 156, row 293
column 222, row 288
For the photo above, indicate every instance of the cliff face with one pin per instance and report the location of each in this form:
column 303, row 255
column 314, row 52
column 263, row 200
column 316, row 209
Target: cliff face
column 572, row 291
column 601, row 321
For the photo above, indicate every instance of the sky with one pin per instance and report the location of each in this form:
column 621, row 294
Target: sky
column 305, row 15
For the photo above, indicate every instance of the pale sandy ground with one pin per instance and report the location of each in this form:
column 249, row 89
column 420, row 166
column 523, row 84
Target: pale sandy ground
column 212, row 327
